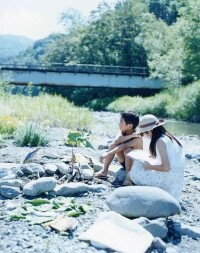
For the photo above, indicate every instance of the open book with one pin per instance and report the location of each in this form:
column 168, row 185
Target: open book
column 142, row 156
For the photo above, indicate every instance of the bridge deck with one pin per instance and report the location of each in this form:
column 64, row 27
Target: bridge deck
column 79, row 68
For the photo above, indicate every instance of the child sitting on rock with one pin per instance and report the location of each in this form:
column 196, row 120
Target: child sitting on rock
column 124, row 143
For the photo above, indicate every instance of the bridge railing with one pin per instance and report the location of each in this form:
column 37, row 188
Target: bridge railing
column 78, row 68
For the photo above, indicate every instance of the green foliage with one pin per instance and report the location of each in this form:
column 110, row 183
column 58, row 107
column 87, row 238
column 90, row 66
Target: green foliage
column 180, row 103
column 46, row 110
column 30, row 135
column 38, row 211
column 78, row 138
column 190, row 32
column 187, row 103
column 8, row 124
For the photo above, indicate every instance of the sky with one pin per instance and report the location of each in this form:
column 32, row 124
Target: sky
column 38, row 18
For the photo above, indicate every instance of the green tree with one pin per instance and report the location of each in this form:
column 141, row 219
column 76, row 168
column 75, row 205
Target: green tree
column 190, row 20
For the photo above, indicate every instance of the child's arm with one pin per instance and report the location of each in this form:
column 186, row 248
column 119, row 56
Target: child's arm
column 122, row 139
column 119, row 148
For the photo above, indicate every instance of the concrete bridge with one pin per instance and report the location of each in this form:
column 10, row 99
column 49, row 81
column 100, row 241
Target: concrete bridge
column 58, row 74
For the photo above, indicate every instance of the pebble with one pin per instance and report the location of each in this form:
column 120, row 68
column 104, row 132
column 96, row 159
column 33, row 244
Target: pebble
column 9, row 191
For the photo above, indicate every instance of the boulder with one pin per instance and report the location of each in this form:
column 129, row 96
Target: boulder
column 39, row 186
column 50, row 168
column 9, row 191
column 11, row 182
column 143, row 201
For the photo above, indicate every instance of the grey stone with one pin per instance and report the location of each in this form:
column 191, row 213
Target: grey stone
column 39, row 186
column 63, row 168
column 19, row 173
column 101, row 147
column 98, row 188
column 121, row 174
column 26, row 169
column 143, row 201
column 50, row 155
column 6, row 173
column 86, row 172
column 156, row 227
column 73, row 189
column 158, row 244
column 11, row 182
column 190, row 231
column 32, row 168
column 9, row 191
column 50, row 168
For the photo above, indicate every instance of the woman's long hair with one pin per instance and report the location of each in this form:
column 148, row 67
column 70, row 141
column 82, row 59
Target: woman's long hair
column 156, row 134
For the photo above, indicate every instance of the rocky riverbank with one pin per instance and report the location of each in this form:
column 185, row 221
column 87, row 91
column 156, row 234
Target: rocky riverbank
column 21, row 236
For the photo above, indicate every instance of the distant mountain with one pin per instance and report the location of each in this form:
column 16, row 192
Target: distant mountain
column 12, row 45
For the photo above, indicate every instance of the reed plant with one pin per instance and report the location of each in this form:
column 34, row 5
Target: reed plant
column 45, row 110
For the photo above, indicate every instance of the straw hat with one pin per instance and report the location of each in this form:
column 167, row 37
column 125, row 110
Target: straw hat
column 149, row 122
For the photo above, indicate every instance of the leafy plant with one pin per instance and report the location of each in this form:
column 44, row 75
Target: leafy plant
column 30, row 135
column 8, row 124
column 78, row 138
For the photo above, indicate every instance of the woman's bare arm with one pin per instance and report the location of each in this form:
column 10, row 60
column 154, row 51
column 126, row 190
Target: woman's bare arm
column 165, row 165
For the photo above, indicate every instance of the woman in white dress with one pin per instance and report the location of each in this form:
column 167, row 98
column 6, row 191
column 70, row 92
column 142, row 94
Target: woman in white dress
column 168, row 170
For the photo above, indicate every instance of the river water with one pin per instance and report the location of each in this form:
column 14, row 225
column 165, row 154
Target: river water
column 183, row 128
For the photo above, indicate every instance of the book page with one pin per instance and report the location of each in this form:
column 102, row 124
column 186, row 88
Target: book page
column 142, row 156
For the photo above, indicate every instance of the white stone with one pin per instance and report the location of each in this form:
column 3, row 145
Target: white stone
column 39, row 186
column 50, row 168
column 118, row 233
column 11, row 182
column 63, row 168
column 86, row 172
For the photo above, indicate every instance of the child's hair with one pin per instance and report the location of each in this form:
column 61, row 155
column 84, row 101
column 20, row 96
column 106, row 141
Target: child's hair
column 131, row 118
column 157, row 132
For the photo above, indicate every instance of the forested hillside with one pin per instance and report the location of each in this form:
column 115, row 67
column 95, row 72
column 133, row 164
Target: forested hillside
column 12, row 45
column 162, row 35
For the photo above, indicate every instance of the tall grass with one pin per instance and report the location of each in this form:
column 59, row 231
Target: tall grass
column 45, row 110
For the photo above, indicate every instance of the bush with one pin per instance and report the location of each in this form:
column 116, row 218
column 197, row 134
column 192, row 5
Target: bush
column 8, row 124
column 30, row 135
column 186, row 106
column 153, row 105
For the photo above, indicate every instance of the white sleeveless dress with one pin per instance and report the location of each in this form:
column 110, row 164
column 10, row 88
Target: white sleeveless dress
column 170, row 181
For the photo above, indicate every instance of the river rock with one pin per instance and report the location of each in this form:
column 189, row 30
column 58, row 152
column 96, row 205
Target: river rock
column 73, row 189
column 11, row 182
column 121, row 175
column 158, row 244
column 32, row 168
column 190, row 231
column 39, row 186
column 6, row 174
column 9, row 191
column 63, row 168
column 86, row 172
column 50, row 155
column 156, row 227
column 50, row 168
column 143, row 201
